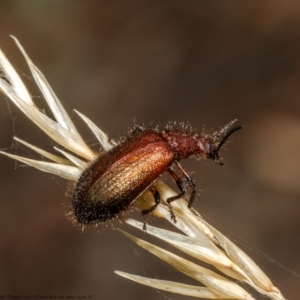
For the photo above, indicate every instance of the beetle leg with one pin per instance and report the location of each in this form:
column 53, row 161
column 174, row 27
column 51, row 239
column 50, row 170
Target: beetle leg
column 145, row 212
column 182, row 189
column 190, row 183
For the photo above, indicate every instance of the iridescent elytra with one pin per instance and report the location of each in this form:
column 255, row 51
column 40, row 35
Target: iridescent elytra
column 111, row 184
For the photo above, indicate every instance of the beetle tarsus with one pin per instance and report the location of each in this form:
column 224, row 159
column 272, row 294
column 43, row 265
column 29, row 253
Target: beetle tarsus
column 144, row 224
column 173, row 217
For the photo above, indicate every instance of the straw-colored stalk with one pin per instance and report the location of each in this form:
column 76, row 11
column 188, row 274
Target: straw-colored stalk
column 197, row 238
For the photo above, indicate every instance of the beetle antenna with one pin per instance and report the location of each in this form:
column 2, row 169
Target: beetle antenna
column 228, row 132
column 227, row 135
column 224, row 129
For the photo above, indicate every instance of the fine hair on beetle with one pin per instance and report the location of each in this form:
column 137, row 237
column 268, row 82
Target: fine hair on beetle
column 115, row 179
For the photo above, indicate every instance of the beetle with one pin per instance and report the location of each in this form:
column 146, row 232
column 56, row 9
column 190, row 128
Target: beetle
column 111, row 184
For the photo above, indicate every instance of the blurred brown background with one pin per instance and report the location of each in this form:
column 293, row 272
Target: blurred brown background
column 206, row 62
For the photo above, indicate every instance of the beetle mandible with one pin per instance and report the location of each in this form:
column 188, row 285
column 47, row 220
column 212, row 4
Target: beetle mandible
column 117, row 178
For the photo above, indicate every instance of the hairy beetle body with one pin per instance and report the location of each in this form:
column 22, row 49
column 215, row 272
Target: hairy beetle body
column 117, row 178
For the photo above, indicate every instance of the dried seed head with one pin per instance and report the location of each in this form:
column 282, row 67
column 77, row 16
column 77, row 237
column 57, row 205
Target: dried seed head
column 198, row 238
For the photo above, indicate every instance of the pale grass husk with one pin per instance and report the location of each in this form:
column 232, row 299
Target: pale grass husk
column 197, row 239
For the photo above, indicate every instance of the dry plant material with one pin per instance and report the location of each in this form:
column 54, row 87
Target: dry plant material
column 198, row 239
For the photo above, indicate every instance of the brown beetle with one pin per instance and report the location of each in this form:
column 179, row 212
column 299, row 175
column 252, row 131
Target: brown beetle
column 117, row 178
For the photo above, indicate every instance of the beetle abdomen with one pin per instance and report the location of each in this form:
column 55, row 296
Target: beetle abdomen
column 116, row 179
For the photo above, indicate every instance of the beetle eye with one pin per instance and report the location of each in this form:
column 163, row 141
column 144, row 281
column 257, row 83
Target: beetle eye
column 207, row 147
